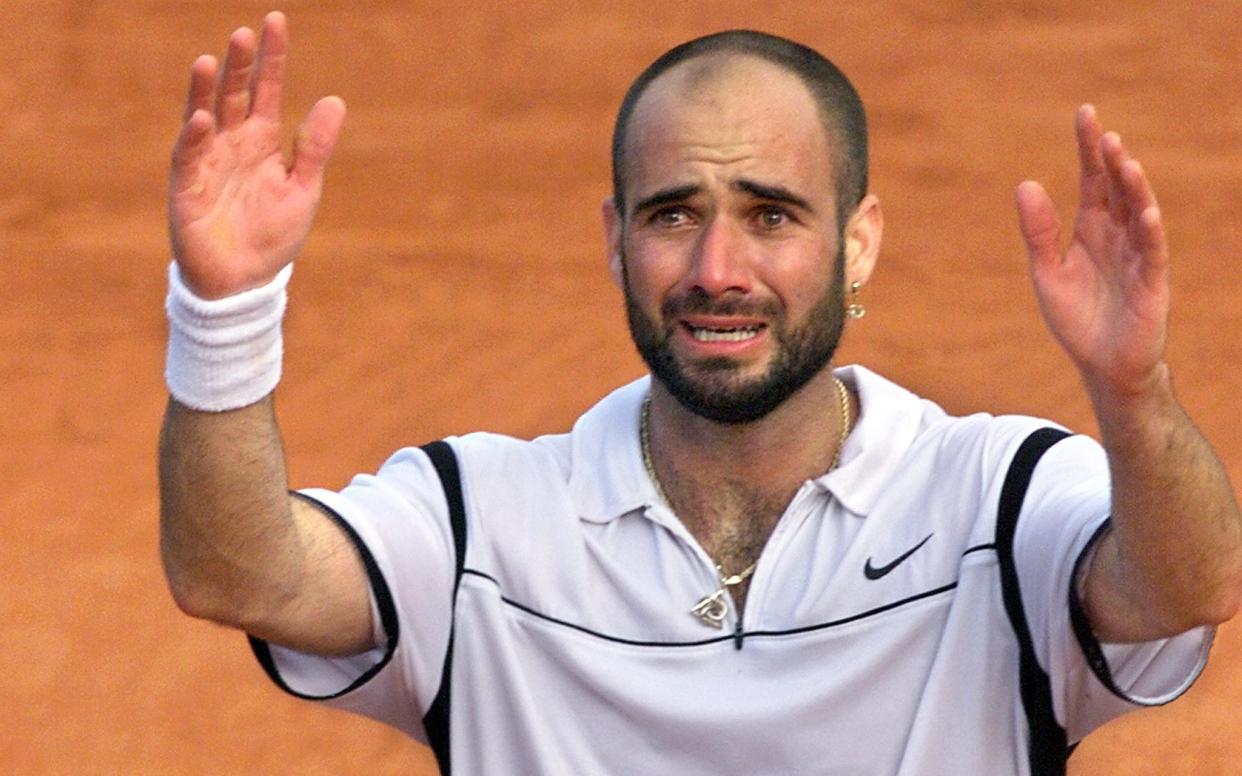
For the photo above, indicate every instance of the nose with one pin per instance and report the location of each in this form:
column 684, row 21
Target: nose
column 722, row 259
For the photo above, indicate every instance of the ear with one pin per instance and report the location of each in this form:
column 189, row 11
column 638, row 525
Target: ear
column 612, row 234
column 863, row 232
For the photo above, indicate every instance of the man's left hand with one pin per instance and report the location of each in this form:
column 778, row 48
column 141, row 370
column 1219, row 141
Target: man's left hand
column 1106, row 296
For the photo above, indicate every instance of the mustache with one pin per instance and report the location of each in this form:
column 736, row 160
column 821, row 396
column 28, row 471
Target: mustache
column 699, row 302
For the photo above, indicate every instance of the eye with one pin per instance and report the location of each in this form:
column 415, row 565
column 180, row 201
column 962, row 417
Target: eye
column 771, row 217
column 670, row 217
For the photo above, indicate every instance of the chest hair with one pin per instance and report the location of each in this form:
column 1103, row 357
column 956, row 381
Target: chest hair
column 731, row 522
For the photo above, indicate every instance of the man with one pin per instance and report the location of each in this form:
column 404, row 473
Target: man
column 752, row 562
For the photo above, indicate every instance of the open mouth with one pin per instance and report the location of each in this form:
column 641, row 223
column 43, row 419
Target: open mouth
column 733, row 334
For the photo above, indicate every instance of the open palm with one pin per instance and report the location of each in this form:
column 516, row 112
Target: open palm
column 1106, row 297
column 237, row 212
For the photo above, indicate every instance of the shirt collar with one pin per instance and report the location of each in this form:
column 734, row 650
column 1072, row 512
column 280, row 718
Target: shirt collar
column 608, row 478
column 889, row 419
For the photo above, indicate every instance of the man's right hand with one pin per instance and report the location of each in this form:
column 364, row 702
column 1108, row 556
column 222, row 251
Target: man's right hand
column 237, row 548
column 237, row 212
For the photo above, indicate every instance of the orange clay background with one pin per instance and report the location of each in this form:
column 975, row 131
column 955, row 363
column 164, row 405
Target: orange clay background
column 456, row 280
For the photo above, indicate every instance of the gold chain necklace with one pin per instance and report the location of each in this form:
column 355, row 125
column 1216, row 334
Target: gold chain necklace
column 711, row 608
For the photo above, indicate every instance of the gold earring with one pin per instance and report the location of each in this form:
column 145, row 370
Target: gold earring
column 855, row 309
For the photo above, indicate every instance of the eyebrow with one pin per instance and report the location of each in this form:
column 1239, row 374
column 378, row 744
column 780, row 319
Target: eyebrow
column 774, row 193
column 665, row 196
column 754, row 188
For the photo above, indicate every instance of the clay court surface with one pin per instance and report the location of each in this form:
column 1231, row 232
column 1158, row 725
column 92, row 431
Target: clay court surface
column 456, row 281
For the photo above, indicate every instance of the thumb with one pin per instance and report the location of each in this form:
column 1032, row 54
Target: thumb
column 1038, row 222
column 315, row 140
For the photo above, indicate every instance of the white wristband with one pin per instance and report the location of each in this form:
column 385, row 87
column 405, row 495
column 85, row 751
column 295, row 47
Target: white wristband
column 224, row 353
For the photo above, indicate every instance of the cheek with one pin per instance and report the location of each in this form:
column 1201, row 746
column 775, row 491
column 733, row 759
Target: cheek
column 799, row 279
column 651, row 267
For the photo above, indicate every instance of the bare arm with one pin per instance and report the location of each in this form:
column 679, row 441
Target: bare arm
column 236, row 548
column 1173, row 559
column 239, row 551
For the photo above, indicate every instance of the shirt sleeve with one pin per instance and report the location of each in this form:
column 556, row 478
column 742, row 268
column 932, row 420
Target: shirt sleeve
column 398, row 520
column 1065, row 512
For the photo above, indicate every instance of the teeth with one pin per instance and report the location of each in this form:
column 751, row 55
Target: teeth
column 723, row 335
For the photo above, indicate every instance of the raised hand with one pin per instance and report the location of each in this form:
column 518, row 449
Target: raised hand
column 1106, row 296
column 237, row 212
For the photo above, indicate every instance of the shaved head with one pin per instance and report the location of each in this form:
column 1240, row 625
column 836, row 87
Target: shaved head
column 709, row 58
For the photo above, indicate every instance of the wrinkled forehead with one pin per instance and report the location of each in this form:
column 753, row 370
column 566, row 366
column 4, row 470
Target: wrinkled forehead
column 724, row 90
column 724, row 105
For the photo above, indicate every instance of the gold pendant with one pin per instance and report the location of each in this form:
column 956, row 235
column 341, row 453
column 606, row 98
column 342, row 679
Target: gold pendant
column 711, row 609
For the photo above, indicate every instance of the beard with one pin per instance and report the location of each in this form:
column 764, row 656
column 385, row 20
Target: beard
column 712, row 388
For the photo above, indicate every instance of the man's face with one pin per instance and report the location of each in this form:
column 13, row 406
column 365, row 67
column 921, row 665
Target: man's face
column 729, row 251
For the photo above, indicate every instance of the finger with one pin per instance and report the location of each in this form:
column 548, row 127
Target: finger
column 192, row 145
column 1093, row 187
column 1154, row 246
column 1147, row 226
column 1040, row 227
column 269, row 72
column 202, row 92
column 233, row 92
column 1135, row 186
column 1115, row 159
column 315, row 139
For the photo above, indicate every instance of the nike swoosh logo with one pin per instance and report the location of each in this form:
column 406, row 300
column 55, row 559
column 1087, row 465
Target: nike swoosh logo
column 875, row 572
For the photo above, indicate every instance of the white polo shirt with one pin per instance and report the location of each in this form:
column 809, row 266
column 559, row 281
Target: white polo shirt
column 874, row 639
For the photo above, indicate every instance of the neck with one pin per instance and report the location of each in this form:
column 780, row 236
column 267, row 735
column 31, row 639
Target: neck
column 730, row 483
column 774, row 455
